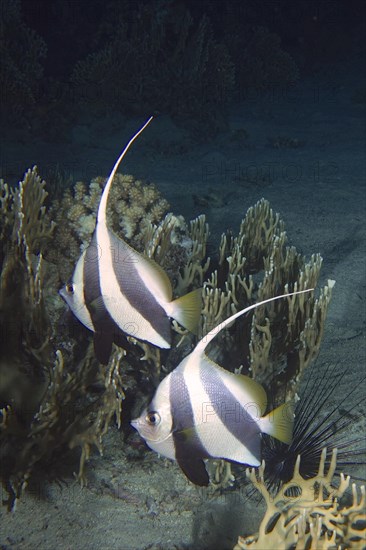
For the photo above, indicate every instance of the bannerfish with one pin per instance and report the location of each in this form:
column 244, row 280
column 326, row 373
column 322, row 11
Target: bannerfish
column 201, row 410
column 116, row 291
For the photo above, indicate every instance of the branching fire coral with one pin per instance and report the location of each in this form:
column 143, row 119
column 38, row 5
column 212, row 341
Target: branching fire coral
column 46, row 403
column 54, row 396
column 307, row 513
column 25, row 233
column 277, row 342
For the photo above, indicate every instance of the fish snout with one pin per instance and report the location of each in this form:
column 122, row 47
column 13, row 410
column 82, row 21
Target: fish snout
column 135, row 423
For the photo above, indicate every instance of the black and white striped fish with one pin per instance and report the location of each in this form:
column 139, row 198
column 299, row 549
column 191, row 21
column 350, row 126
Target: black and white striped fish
column 200, row 411
column 116, row 291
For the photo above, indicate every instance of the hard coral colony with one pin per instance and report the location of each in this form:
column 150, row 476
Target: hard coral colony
column 279, row 338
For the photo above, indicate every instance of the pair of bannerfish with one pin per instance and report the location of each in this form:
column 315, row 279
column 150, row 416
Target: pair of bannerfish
column 199, row 410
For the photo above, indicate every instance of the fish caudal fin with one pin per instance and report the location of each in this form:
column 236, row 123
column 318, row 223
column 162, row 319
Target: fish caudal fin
column 187, row 310
column 279, row 423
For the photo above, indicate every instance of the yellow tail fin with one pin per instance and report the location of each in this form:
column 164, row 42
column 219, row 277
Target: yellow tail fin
column 279, row 423
column 187, row 310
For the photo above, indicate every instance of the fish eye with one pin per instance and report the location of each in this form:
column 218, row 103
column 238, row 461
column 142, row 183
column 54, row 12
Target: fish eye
column 153, row 418
column 70, row 288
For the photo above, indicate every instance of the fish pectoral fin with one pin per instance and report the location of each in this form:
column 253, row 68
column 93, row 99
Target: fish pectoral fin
column 187, row 310
column 279, row 422
column 195, row 470
column 102, row 347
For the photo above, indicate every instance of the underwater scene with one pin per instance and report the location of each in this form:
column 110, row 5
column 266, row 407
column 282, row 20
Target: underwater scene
column 183, row 275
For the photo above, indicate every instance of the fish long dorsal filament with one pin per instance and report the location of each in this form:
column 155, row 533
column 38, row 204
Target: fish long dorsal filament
column 203, row 343
column 102, row 210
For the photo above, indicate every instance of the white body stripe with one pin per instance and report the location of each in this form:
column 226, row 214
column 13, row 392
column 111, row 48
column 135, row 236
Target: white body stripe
column 76, row 300
column 210, row 428
column 124, row 315
column 165, row 448
column 165, row 444
column 159, row 288
column 83, row 313
column 253, row 406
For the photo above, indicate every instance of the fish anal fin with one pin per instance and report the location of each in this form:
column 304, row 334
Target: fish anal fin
column 187, row 310
column 279, row 422
column 195, row 470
